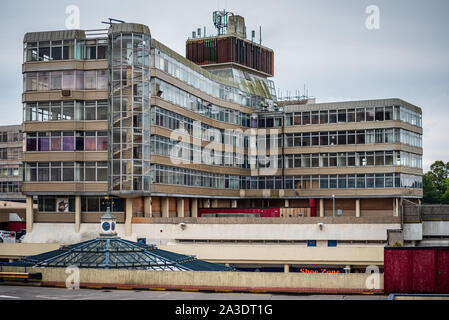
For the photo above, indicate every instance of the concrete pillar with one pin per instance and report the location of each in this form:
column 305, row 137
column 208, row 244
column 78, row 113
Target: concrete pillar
column 357, row 208
column 180, row 207
column 77, row 213
column 165, row 207
column 214, row 203
column 396, row 207
column 194, row 208
column 287, row 203
column 29, row 214
column 147, row 207
column 128, row 217
column 234, row 204
column 206, row 203
column 286, row 268
column 347, row 269
column 321, row 208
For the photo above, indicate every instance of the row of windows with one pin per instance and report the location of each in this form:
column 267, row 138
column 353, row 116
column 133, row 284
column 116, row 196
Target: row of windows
column 185, row 177
column 66, row 80
column 67, row 141
column 373, row 136
column 66, row 50
column 12, row 136
column 166, row 63
column 10, row 153
column 11, row 187
column 65, row 171
column 345, row 116
column 180, row 152
column 88, row 204
column 6, row 172
column 353, row 159
column 345, row 181
column 186, row 100
column 176, row 176
column 170, row 120
column 66, row 110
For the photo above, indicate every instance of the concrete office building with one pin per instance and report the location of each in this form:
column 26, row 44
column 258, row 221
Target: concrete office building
column 11, row 174
column 104, row 112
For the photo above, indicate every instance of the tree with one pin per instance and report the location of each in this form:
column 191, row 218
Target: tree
column 439, row 172
column 431, row 194
column 436, row 183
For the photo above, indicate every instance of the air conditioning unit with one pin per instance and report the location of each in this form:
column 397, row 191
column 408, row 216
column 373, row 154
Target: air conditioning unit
column 66, row 93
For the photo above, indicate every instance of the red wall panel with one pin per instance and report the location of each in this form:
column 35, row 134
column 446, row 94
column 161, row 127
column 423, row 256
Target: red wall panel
column 442, row 281
column 423, row 270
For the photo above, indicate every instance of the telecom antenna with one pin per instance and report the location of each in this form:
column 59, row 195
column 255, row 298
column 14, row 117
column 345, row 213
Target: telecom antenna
column 221, row 21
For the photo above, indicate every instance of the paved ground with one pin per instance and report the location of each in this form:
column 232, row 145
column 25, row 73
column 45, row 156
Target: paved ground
column 41, row 293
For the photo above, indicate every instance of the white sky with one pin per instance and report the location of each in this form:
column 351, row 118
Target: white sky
column 323, row 44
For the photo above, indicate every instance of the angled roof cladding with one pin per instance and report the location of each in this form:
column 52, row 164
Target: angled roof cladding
column 54, row 35
column 256, row 87
column 129, row 28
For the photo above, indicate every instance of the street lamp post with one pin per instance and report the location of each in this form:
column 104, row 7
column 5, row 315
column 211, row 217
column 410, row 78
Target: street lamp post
column 333, row 205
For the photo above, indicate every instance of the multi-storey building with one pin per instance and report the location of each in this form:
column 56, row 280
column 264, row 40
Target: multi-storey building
column 11, row 163
column 120, row 114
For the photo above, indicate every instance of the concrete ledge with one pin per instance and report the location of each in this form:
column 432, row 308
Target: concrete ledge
column 211, row 281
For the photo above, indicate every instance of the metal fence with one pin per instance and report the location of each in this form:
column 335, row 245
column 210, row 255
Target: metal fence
column 414, row 213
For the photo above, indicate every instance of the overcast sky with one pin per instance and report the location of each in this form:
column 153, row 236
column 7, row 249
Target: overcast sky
column 323, row 44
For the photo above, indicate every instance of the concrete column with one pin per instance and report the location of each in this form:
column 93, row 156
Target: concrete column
column 165, row 207
column 206, row 203
column 286, row 268
column 287, row 203
column 321, row 208
column 214, row 203
column 194, row 208
column 396, row 207
column 357, row 208
column 29, row 214
column 347, row 269
column 77, row 214
column 147, row 207
column 234, row 204
column 180, row 207
column 128, row 217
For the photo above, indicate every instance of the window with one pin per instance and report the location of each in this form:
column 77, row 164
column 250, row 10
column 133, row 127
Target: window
column 311, row 243
column 332, row 243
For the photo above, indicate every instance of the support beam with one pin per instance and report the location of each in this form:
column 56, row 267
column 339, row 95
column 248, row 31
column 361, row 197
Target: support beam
column 128, row 217
column 180, row 207
column 194, row 208
column 234, row 204
column 396, row 207
column 286, row 268
column 357, row 208
column 206, row 203
column 321, row 208
column 165, row 207
column 77, row 213
column 287, row 203
column 214, row 203
column 147, row 204
column 29, row 214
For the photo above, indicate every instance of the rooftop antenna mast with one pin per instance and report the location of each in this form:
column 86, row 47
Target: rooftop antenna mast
column 112, row 21
column 221, row 21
